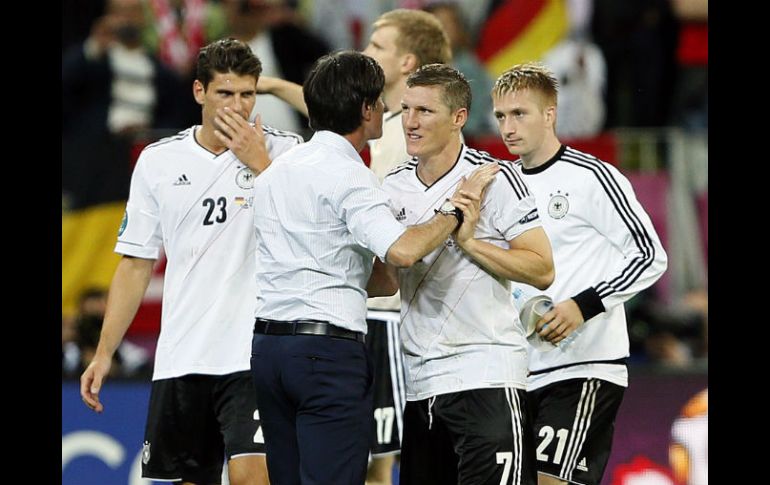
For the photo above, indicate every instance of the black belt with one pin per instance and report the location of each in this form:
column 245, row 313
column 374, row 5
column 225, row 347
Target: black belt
column 305, row 327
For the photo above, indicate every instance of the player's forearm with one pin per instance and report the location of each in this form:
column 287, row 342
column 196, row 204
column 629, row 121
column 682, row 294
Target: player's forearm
column 384, row 280
column 520, row 265
column 284, row 90
column 126, row 292
column 420, row 240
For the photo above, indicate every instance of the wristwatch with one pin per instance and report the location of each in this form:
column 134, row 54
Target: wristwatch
column 449, row 209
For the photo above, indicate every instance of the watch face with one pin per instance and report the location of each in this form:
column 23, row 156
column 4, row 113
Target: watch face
column 447, row 206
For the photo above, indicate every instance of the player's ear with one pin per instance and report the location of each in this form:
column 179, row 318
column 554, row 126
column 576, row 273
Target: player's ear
column 460, row 117
column 366, row 111
column 199, row 92
column 408, row 63
column 550, row 115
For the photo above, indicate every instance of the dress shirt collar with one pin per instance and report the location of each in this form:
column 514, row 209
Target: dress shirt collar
column 338, row 142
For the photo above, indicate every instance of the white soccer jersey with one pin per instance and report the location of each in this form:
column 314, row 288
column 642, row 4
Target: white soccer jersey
column 459, row 328
column 389, row 150
column 198, row 207
column 605, row 251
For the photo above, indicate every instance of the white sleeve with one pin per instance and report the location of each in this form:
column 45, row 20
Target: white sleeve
column 620, row 218
column 514, row 210
column 140, row 232
column 365, row 207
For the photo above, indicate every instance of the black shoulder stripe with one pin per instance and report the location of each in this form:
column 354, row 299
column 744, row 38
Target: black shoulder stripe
column 637, row 266
column 516, row 177
column 480, row 156
column 281, row 133
column 643, row 241
column 630, row 218
column 410, row 165
column 179, row 136
column 512, row 183
column 518, row 185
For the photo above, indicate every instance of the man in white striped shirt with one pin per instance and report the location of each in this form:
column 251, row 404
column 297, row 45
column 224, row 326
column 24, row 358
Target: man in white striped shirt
column 322, row 218
column 605, row 251
column 465, row 419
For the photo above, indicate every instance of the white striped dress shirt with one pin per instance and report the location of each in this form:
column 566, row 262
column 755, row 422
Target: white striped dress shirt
column 320, row 217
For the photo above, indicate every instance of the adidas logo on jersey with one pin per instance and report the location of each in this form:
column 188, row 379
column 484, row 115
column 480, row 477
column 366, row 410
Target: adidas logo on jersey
column 401, row 214
column 182, row 180
column 582, row 466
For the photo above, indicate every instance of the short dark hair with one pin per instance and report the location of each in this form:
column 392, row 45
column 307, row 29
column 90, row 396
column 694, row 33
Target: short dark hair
column 457, row 91
column 226, row 55
column 337, row 88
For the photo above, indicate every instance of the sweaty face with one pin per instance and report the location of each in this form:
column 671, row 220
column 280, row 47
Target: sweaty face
column 382, row 48
column 521, row 121
column 427, row 121
column 226, row 90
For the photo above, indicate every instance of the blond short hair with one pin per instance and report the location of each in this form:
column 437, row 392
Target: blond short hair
column 532, row 76
column 420, row 33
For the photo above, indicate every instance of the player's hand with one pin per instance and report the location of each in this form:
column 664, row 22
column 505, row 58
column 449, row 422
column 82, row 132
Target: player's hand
column 91, row 382
column 561, row 321
column 470, row 205
column 247, row 142
column 477, row 182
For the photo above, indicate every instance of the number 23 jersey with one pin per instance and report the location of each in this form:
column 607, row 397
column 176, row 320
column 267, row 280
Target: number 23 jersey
column 197, row 206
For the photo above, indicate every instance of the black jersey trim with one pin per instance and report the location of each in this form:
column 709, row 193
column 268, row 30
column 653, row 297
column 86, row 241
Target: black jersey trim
column 517, row 178
column 544, row 166
column 179, row 136
column 621, row 361
column 408, row 165
column 514, row 179
column 282, row 133
column 636, row 267
column 427, row 187
column 644, row 243
column 589, row 303
column 195, row 139
column 633, row 271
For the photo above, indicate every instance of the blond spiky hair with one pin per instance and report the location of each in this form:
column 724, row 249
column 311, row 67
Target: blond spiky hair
column 530, row 75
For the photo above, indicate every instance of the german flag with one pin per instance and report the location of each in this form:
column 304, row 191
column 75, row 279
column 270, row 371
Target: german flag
column 518, row 31
column 96, row 172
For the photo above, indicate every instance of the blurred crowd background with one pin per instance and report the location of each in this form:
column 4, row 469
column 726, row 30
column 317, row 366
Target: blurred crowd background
column 633, row 91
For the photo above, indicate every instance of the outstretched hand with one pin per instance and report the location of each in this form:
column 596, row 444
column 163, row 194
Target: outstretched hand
column 477, row 182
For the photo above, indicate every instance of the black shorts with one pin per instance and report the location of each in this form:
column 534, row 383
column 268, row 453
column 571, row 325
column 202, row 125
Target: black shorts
column 481, row 436
column 384, row 345
column 574, row 421
column 194, row 421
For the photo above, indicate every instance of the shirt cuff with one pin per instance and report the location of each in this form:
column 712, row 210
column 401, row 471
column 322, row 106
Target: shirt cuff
column 589, row 302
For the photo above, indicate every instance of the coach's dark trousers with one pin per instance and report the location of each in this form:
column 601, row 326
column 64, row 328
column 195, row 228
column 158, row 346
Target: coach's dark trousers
column 314, row 395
